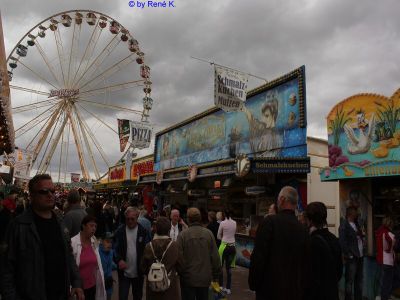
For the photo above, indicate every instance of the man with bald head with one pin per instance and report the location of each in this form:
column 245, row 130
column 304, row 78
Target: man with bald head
column 177, row 224
column 278, row 263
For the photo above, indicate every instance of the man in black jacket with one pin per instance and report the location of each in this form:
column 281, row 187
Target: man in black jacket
column 351, row 240
column 130, row 241
column 37, row 259
column 326, row 255
column 278, row 263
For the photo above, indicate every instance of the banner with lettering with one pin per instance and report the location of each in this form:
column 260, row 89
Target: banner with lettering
column 123, row 132
column 22, row 163
column 142, row 167
column 140, row 134
column 116, row 173
column 75, row 177
column 230, row 89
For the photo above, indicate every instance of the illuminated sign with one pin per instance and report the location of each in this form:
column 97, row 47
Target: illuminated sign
column 197, row 193
column 301, row 165
column 255, row 190
column 141, row 168
column 346, row 171
column 217, row 170
column 116, row 173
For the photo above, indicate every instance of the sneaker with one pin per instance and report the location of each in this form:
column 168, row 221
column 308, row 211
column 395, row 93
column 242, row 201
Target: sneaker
column 227, row 291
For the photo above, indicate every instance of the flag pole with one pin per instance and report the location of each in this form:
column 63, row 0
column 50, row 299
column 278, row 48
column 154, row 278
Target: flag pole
column 213, row 63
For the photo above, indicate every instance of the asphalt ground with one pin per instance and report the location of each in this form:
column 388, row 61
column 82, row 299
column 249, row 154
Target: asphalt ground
column 240, row 288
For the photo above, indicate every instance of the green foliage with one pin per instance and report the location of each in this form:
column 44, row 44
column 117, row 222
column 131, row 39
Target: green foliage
column 336, row 125
column 389, row 115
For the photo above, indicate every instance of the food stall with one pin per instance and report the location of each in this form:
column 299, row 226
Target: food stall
column 237, row 160
column 364, row 157
column 122, row 185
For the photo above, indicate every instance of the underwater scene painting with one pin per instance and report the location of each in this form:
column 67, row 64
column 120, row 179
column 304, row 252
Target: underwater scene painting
column 364, row 137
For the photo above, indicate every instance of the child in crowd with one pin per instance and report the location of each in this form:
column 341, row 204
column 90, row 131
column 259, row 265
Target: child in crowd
column 106, row 254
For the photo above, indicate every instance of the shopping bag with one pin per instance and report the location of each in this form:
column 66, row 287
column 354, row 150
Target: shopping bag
column 215, row 292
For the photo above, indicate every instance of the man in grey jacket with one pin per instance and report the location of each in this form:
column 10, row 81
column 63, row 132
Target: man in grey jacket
column 75, row 214
column 201, row 263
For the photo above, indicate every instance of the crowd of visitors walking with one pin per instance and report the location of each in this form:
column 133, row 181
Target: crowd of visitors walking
column 50, row 252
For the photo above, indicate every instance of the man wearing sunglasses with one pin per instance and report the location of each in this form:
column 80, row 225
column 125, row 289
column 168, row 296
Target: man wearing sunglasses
column 37, row 259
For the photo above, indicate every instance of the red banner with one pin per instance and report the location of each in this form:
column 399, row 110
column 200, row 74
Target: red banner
column 123, row 132
column 142, row 168
column 117, row 173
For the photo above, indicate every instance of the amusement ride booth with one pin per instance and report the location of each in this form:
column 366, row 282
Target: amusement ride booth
column 364, row 157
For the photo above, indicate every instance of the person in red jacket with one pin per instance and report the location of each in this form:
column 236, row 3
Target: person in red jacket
column 385, row 241
column 10, row 202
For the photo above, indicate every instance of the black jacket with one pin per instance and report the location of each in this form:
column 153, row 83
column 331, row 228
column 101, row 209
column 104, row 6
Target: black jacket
column 348, row 239
column 120, row 245
column 22, row 273
column 280, row 259
column 326, row 266
column 213, row 227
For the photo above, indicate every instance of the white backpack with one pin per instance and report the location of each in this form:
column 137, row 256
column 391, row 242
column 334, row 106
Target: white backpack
column 158, row 277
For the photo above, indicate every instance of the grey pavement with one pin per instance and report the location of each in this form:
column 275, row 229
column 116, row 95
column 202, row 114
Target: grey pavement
column 240, row 288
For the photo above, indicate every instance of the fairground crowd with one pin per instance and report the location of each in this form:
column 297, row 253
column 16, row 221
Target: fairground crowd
column 55, row 252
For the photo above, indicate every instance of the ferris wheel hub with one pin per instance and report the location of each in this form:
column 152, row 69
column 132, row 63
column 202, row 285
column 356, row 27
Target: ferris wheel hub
column 64, row 93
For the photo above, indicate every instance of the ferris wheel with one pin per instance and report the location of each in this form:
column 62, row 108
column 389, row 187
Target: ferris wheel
column 71, row 76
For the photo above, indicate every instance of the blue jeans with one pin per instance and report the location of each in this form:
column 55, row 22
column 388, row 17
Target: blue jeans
column 390, row 280
column 124, row 283
column 227, row 257
column 354, row 278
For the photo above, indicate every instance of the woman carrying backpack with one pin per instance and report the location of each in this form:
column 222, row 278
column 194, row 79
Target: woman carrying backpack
column 159, row 255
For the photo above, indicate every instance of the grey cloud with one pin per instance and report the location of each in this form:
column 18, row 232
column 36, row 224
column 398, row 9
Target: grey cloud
column 347, row 47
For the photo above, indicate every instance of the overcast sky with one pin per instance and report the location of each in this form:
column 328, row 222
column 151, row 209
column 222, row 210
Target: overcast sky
column 347, row 47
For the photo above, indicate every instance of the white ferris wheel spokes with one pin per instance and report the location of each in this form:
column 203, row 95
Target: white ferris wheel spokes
column 71, row 76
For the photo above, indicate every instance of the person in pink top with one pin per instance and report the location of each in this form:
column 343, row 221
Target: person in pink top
column 227, row 249
column 86, row 252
